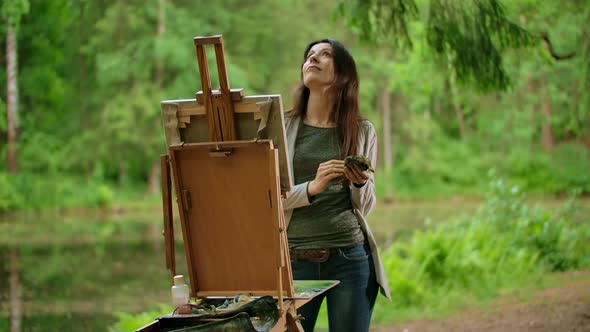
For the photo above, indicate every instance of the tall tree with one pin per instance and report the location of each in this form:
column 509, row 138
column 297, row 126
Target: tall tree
column 11, row 12
column 128, row 131
column 160, row 31
column 11, row 96
column 16, row 303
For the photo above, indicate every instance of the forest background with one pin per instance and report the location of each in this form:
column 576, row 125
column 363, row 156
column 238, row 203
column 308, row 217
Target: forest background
column 91, row 75
column 458, row 90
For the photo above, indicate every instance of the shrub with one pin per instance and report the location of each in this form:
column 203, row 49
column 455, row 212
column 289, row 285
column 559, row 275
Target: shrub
column 132, row 321
column 504, row 243
column 28, row 191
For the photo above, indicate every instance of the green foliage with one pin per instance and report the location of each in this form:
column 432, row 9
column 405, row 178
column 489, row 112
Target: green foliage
column 433, row 163
column 505, row 244
column 585, row 77
column 91, row 75
column 131, row 322
column 469, row 35
column 555, row 240
column 63, row 322
column 560, row 171
column 378, row 21
column 3, row 125
column 502, row 131
column 10, row 197
column 572, row 170
column 12, row 10
column 29, row 191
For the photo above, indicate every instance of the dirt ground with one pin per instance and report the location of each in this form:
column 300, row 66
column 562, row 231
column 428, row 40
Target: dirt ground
column 562, row 308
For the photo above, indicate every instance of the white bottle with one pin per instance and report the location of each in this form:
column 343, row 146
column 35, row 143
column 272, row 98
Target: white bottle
column 180, row 291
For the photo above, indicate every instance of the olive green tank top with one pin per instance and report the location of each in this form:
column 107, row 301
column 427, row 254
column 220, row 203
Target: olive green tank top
column 329, row 222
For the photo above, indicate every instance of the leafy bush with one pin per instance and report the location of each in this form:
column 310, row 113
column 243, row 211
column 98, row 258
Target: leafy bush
column 429, row 162
column 549, row 234
column 10, row 196
column 505, row 243
column 569, row 168
column 559, row 171
column 131, row 321
column 438, row 165
column 28, row 191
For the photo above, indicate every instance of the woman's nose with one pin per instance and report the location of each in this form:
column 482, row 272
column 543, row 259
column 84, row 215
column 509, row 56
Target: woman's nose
column 313, row 58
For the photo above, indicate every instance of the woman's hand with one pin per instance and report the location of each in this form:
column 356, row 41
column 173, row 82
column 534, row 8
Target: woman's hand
column 356, row 175
column 327, row 171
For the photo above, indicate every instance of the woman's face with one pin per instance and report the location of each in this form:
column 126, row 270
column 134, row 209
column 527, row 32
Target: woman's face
column 318, row 68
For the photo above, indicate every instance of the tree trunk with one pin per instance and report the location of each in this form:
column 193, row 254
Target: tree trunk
column 457, row 107
column 15, row 290
column 161, row 29
column 4, row 277
column 397, row 116
column 154, row 179
column 531, row 87
column 123, row 174
column 547, row 139
column 459, row 113
column 385, row 107
column 83, row 89
column 12, row 98
column 156, row 238
column 436, row 104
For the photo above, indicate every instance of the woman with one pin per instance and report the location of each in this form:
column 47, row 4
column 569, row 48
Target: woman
column 328, row 236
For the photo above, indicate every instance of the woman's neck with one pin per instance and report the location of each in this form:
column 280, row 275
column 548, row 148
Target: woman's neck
column 318, row 111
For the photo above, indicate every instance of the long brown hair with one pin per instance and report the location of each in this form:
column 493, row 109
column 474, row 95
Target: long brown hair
column 344, row 90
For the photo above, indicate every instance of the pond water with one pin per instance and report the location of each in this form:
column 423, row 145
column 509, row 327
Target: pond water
column 77, row 270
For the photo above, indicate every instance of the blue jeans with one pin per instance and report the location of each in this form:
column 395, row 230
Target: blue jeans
column 350, row 303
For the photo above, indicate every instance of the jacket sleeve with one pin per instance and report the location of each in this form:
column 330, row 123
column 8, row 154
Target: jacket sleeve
column 363, row 198
column 297, row 197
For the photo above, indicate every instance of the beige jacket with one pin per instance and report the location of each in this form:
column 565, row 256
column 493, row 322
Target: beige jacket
column 363, row 199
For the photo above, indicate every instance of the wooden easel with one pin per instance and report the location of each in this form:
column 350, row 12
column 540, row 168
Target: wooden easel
column 240, row 249
column 218, row 103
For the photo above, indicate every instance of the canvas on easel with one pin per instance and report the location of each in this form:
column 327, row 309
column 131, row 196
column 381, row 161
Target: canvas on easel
column 256, row 117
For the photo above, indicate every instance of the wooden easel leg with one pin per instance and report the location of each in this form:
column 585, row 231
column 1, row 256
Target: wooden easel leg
column 293, row 322
column 288, row 321
column 168, row 217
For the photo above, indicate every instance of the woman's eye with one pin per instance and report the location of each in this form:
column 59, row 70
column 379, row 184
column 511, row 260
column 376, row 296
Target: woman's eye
column 322, row 53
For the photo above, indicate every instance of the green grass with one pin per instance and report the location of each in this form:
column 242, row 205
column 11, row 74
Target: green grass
column 505, row 245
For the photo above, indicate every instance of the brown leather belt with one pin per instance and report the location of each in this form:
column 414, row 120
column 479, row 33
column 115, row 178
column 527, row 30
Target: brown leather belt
column 314, row 255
